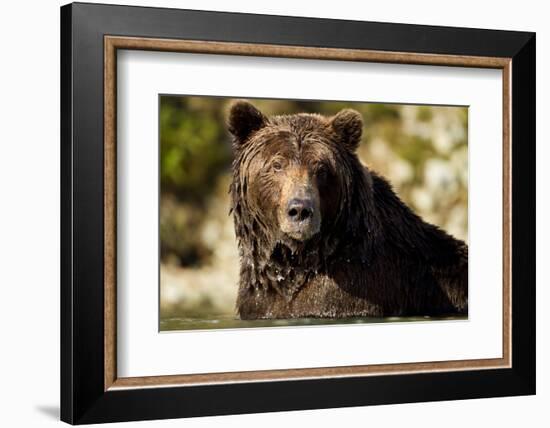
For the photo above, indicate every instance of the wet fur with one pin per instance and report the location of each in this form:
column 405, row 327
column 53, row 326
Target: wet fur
column 373, row 255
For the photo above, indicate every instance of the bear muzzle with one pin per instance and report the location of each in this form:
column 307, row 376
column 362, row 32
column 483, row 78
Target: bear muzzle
column 300, row 218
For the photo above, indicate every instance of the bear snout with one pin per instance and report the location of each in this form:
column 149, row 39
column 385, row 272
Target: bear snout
column 300, row 218
column 300, row 209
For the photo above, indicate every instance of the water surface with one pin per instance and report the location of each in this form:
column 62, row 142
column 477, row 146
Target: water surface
column 229, row 321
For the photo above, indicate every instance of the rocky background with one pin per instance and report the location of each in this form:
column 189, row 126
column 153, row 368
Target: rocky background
column 422, row 150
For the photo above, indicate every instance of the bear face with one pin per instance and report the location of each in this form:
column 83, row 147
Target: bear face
column 293, row 168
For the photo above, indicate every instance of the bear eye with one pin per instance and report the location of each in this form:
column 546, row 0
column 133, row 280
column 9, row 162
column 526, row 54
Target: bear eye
column 322, row 172
column 277, row 166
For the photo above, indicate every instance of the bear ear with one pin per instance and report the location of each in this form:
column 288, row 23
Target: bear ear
column 348, row 124
column 244, row 119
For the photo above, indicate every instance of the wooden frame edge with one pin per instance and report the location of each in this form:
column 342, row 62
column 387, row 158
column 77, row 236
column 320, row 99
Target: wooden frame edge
column 310, row 373
column 109, row 197
column 301, row 52
column 507, row 212
column 112, row 43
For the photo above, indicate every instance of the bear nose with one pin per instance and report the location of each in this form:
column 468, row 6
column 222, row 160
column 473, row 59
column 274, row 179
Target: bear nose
column 300, row 209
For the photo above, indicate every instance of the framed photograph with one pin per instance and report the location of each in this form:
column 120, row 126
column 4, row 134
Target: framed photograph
column 266, row 213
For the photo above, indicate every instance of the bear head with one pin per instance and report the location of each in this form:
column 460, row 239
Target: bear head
column 298, row 186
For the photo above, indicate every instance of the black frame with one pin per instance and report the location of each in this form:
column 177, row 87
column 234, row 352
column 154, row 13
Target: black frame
column 83, row 399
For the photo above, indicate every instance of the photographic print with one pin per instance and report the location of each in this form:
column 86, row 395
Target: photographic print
column 279, row 212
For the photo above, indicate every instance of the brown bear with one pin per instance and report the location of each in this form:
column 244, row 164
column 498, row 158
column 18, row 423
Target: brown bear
column 321, row 235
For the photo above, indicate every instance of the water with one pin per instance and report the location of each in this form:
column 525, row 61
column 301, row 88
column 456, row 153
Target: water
column 223, row 322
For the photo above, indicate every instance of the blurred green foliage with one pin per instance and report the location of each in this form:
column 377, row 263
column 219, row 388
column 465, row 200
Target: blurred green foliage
column 194, row 146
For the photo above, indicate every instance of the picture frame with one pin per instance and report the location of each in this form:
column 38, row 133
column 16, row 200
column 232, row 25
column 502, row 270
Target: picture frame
column 91, row 391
